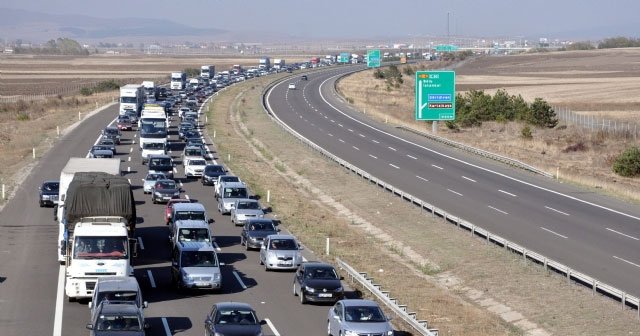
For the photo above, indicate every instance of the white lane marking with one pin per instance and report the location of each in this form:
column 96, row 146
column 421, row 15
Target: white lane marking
column 175, row 171
column 393, row 149
column 129, row 159
column 151, row 279
column 57, row 320
column 376, row 141
column 312, row 124
column 558, row 211
column 350, row 130
column 135, row 135
column 375, row 157
column 217, row 246
column 362, row 135
column 180, row 183
column 186, row 196
column 622, row 234
column 142, row 179
column 356, row 148
column 627, row 261
column 140, row 243
column 239, row 280
column 304, row 259
column 129, row 181
column 422, row 178
column 394, row 166
column 167, row 331
column 467, row 163
column 330, row 134
column 498, row 210
column 555, row 233
column 272, row 327
column 508, row 193
column 341, row 140
column 413, row 157
column 130, row 149
column 466, row 178
column 455, row 192
column 333, row 121
column 437, row 167
column 326, row 117
column 340, row 125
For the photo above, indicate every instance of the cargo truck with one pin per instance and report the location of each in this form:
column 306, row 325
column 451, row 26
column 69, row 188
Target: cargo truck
column 131, row 98
column 264, row 63
column 178, row 80
column 99, row 218
column 278, row 63
column 207, row 72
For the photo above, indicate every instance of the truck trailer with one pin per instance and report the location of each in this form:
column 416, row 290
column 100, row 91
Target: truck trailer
column 178, row 80
column 207, row 72
column 264, row 63
column 131, row 98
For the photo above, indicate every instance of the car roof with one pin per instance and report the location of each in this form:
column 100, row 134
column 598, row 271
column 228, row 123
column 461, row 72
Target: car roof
column 165, row 181
column 358, row 302
column 230, row 305
column 114, row 283
column 195, row 246
column 188, row 207
column 248, row 200
column 191, row 223
column 119, row 307
column 261, row 220
column 282, row 236
column 317, row 264
column 161, row 156
column 234, row 185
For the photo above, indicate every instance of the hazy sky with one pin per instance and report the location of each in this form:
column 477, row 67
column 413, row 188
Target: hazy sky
column 370, row 18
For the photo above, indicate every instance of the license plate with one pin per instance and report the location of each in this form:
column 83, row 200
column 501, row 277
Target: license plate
column 285, row 264
column 325, row 295
column 101, row 270
column 202, row 284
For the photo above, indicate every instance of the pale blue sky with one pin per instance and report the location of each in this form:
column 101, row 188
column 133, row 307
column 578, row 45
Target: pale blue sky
column 371, row 18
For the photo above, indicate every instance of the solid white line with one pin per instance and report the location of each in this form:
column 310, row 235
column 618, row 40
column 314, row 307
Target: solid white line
column 57, row 320
column 393, row 149
column 239, row 280
column 140, row 243
column 622, row 234
column 341, row 140
column 466, row 178
column 555, row 233
column 167, row 331
column 362, row 135
column 394, row 166
column 627, row 261
column 413, row 157
column 422, row 178
column 272, row 327
column 455, row 192
column 375, row 141
column 151, row 280
column 508, row 193
column 558, row 211
column 375, row 157
column 216, row 246
column 356, row 148
column 498, row 210
column 437, row 167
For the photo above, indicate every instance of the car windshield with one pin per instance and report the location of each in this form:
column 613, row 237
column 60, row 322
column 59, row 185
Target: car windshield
column 192, row 215
column 197, row 162
column 123, row 118
column 248, row 205
column 283, row 244
column 321, row 273
column 154, row 177
column 110, row 131
column 165, row 185
column 194, row 235
column 192, row 152
column 116, row 296
column 51, row 186
column 160, row 162
column 118, row 323
column 262, row 226
column 214, row 169
column 153, row 145
column 229, row 316
column 230, row 179
column 235, row 193
column 199, row 259
column 108, row 142
column 86, row 247
column 364, row 314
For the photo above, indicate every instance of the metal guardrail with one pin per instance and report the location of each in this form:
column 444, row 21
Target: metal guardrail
column 384, row 296
column 594, row 284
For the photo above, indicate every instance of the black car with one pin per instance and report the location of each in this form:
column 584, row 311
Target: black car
column 49, row 193
column 304, row 77
column 112, row 133
column 255, row 230
column 211, row 173
column 232, row 319
column 133, row 116
column 101, row 151
column 164, row 190
column 317, row 282
column 108, row 142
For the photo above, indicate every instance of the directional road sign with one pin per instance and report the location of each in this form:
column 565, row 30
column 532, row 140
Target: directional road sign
column 373, row 58
column 435, row 95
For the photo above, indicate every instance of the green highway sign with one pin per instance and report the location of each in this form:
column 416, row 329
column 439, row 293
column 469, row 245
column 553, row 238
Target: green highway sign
column 373, row 58
column 435, row 95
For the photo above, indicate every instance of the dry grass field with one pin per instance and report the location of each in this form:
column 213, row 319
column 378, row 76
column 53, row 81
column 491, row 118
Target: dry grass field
column 600, row 83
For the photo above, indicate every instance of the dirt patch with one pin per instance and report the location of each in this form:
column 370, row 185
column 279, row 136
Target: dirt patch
column 443, row 274
column 600, row 83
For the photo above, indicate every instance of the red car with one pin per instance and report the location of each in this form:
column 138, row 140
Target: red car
column 169, row 208
column 124, row 123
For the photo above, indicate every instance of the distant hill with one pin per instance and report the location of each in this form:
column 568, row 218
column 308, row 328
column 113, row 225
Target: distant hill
column 40, row 27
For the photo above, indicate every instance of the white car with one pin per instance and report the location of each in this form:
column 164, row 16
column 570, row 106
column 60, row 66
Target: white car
column 150, row 180
column 194, row 167
column 292, row 86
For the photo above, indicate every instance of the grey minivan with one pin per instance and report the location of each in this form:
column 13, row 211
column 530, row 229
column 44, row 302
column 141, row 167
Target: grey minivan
column 195, row 265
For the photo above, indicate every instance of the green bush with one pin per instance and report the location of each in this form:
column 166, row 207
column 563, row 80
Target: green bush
column 542, row 114
column 85, row 91
column 192, row 72
column 378, row 74
column 526, row 132
column 627, row 164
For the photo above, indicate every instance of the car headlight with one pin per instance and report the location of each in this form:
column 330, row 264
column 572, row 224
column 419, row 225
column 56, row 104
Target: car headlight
column 216, row 276
column 339, row 289
column 157, row 193
column 390, row 333
column 260, row 215
column 186, row 277
column 350, row 333
column 309, row 289
column 46, row 197
column 177, row 193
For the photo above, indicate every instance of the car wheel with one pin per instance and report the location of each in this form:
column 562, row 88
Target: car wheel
column 72, row 299
column 260, row 260
column 328, row 328
column 294, row 290
column 41, row 204
column 303, row 299
column 153, row 199
column 266, row 267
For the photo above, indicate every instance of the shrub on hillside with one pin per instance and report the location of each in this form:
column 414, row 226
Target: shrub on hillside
column 627, row 164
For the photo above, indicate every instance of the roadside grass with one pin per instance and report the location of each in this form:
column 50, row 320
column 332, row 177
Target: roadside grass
column 438, row 271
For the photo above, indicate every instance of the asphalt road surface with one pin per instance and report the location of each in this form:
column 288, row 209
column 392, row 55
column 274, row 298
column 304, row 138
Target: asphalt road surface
column 591, row 233
column 32, row 300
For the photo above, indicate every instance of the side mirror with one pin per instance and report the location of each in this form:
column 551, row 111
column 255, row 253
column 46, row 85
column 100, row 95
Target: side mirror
column 147, row 325
column 389, row 318
column 145, row 304
column 300, row 248
column 341, row 277
column 278, row 230
column 89, row 326
column 210, row 221
column 174, row 263
column 263, row 322
column 336, row 317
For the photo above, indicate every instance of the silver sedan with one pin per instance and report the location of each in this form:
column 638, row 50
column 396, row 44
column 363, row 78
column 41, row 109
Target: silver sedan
column 150, row 180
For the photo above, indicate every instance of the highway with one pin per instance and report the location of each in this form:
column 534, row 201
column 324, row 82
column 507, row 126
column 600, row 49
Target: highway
column 32, row 300
column 594, row 234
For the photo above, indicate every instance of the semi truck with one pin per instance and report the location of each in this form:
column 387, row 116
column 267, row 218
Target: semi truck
column 131, row 98
column 278, row 63
column 207, row 72
column 99, row 218
column 178, row 80
column 264, row 63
